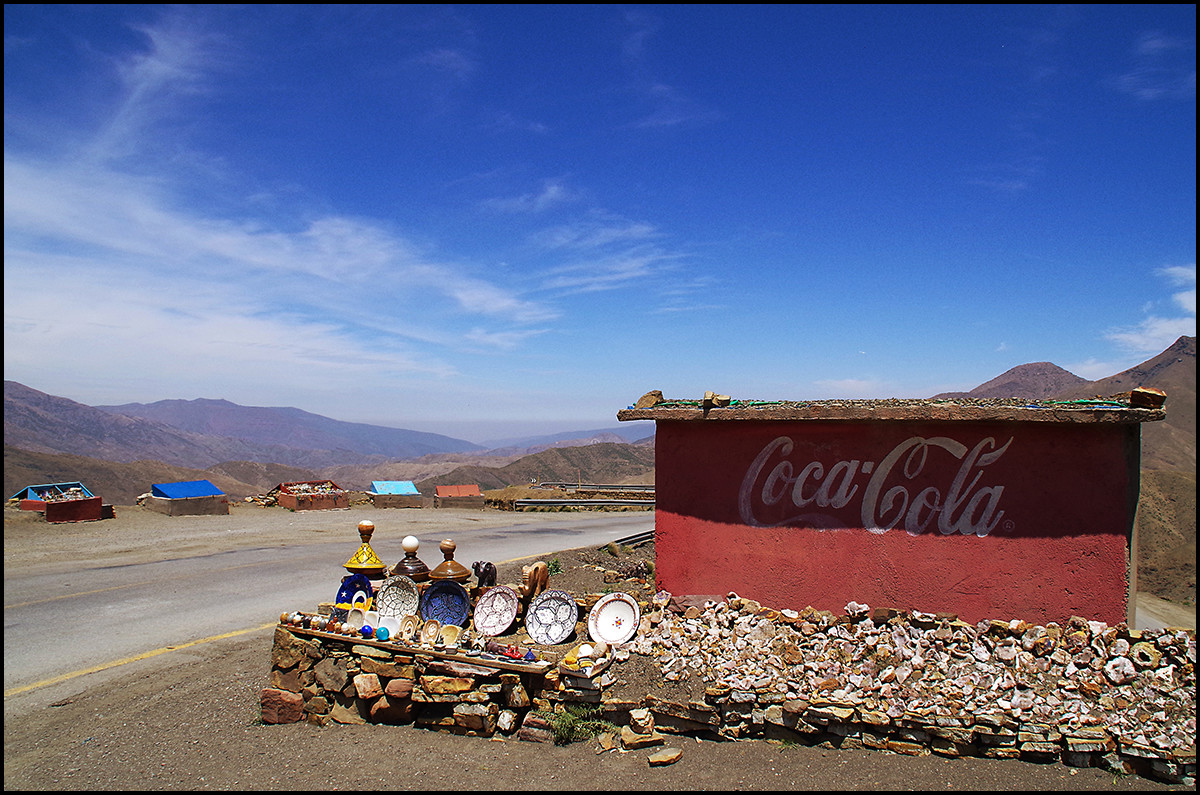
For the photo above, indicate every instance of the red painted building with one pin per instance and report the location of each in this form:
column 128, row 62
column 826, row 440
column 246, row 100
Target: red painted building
column 987, row 509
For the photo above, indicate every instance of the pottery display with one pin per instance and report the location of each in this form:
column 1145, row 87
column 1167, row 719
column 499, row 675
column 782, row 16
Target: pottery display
column 398, row 597
column 389, row 624
column 551, row 618
column 355, row 591
column 447, row 602
column 496, row 610
column 410, row 628
column 430, row 632
column 614, row 618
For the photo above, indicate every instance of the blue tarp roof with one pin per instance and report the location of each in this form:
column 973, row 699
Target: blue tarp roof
column 36, row 492
column 393, row 487
column 188, row 488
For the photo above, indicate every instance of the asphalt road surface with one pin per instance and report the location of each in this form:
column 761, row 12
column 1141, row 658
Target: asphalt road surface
column 152, row 582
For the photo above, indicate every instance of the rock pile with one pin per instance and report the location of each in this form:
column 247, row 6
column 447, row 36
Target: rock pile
column 1085, row 692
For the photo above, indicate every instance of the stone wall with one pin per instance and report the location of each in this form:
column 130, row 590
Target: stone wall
column 1084, row 694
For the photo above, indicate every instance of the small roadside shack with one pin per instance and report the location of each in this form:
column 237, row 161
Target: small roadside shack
column 63, row 502
column 187, row 498
column 459, row 496
column 396, row 494
column 978, row 507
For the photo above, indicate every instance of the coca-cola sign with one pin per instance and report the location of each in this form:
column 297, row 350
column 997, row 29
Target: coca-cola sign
column 908, row 488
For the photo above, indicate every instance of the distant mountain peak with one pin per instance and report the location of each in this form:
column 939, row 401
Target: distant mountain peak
column 1034, row 381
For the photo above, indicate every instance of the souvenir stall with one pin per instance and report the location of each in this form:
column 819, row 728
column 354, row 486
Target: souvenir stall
column 311, row 495
column 63, row 502
column 410, row 644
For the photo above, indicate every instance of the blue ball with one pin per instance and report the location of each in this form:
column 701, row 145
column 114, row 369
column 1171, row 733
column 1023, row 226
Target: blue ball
column 382, row 633
column 367, row 630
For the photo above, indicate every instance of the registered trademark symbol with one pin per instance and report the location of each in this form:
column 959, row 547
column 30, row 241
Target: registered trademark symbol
column 1009, row 525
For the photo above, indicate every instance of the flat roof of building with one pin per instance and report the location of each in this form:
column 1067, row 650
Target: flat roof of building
column 1100, row 410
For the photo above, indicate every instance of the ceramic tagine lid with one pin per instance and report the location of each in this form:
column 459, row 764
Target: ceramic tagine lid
column 365, row 561
column 450, row 569
column 411, row 566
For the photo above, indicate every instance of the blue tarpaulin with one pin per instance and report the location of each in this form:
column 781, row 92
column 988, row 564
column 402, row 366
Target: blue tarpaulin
column 393, row 487
column 51, row 489
column 189, row 488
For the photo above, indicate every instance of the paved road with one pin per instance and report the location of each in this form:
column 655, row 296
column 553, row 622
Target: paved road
column 69, row 618
column 146, row 582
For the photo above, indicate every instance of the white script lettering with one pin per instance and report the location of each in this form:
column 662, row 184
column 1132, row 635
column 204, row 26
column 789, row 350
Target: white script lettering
column 962, row 507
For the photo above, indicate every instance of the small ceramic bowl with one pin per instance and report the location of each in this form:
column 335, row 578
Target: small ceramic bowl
column 356, row 618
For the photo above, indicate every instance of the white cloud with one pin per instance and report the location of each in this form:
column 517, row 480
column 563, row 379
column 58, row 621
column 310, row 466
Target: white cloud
column 1162, row 68
column 598, row 230
column 1094, row 370
column 553, row 193
column 453, row 62
column 1156, row 333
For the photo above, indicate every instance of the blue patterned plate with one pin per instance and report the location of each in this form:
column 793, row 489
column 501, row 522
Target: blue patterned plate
column 447, row 602
column 355, row 588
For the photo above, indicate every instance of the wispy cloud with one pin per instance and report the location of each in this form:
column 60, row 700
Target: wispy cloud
column 551, row 194
column 1156, row 332
column 611, row 272
column 451, row 62
column 666, row 105
column 1162, row 68
column 597, row 230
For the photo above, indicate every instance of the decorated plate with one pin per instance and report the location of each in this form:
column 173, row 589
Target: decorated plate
column 446, row 601
column 355, row 588
column 614, row 618
column 495, row 610
column 410, row 625
column 430, row 632
column 398, row 597
column 551, row 617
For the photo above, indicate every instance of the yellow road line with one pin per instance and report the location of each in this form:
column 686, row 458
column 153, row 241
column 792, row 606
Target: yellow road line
column 127, row 660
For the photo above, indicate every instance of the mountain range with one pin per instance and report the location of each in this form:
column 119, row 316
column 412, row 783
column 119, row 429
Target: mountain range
column 203, row 434
column 120, row 451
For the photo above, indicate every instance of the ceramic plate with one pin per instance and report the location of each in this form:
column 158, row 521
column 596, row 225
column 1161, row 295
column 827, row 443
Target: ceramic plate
column 614, row 618
column 355, row 588
column 409, row 627
column 398, row 597
column 496, row 609
column 446, row 601
column 450, row 634
column 551, row 618
column 430, row 632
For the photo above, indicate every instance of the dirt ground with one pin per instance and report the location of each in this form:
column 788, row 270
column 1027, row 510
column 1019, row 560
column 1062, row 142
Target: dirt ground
column 190, row 720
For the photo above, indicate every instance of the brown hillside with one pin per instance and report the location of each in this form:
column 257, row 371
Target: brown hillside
column 417, row 470
column 1167, row 535
column 1036, row 381
column 1170, row 444
column 595, row 463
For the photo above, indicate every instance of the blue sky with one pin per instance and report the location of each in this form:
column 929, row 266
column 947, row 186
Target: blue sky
column 486, row 221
